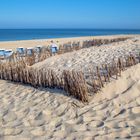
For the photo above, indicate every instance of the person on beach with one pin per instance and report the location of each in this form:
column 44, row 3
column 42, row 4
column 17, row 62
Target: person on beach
column 54, row 48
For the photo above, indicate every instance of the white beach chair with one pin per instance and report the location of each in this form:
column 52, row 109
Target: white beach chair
column 38, row 48
column 8, row 54
column 21, row 51
column 75, row 45
column 2, row 53
column 30, row 51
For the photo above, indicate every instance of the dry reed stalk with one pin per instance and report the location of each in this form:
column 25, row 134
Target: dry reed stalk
column 119, row 66
column 75, row 85
column 104, row 73
column 107, row 69
column 93, row 80
column 95, row 89
column 133, row 59
column 114, row 69
column 83, row 87
column 99, row 77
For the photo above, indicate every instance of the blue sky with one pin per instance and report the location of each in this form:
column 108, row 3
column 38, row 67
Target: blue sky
column 70, row 14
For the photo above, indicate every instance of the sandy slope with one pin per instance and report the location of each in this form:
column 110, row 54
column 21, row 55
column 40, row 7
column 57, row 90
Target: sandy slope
column 28, row 113
column 93, row 56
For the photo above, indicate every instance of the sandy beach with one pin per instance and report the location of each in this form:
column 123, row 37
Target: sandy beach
column 28, row 113
column 45, row 42
column 40, row 114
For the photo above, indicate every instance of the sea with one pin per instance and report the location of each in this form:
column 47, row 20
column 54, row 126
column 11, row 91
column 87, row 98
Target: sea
column 30, row 34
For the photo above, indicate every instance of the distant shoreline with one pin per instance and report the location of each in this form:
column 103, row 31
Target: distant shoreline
column 41, row 34
column 45, row 42
column 67, row 38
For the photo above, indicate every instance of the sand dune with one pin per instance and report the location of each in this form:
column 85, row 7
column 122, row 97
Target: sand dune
column 28, row 113
column 93, row 56
column 39, row 114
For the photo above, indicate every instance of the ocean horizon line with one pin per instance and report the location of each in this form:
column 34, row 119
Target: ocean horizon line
column 68, row 29
column 34, row 34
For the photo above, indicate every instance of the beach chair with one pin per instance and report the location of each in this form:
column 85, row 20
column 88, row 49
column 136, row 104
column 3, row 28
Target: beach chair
column 65, row 48
column 8, row 55
column 2, row 53
column 53, row 49
column 76, row 45
column 30, row 51
column 21, row 51
column 38, row 48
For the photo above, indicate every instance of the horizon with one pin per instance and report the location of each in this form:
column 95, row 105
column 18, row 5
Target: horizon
column 67, row 29
column 80, row 14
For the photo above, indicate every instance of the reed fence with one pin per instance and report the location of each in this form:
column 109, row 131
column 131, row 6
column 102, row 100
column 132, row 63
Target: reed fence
column 45, row 52
column 71, row 46
column 75, row 83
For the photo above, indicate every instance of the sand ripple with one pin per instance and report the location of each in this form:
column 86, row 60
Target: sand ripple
column 28, row 113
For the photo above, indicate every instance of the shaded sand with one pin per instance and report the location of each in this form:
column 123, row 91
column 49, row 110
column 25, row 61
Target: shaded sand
column 45, row 42
column 28, row 113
